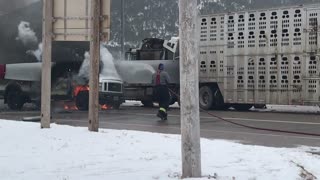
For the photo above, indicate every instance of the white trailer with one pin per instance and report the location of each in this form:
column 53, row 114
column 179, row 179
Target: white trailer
column 269, row 56
column 258, row 57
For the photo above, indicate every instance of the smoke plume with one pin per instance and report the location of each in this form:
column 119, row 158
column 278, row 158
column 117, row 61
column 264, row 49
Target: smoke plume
column 37, row 53
column 29, row 39
column 108, row 69
column 84, row 69
column 26, row 35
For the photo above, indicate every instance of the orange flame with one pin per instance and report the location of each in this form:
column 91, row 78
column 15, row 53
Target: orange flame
column 70, row 107
column 80, row 88
column 104, row 107
column 76, row 91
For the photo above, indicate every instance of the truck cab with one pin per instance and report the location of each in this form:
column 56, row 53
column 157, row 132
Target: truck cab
column 111, row 92
column 155, row 49
column 140, row 63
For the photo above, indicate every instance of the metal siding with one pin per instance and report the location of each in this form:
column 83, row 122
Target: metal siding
column 266, row 56
column 72, row 20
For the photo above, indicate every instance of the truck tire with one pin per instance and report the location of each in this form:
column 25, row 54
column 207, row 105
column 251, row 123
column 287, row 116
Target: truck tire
column 218, row 101
column 242, row 107
column 82, row 100
column 15, row 99
column 205, row 97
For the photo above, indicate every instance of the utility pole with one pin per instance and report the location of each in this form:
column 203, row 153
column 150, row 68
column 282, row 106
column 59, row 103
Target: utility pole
column 122, row 30
column 46, row 64
column 189, row 89
column 94, row 65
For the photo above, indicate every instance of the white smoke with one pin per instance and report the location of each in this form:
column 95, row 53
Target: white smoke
column 29, row 39
column 26, row 35
column 108, row 69
column 37, row 53
column 84, row 69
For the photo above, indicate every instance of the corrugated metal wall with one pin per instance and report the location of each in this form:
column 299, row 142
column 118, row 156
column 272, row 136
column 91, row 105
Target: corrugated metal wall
column 264, row 56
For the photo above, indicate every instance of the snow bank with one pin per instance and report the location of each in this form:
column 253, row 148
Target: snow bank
column 64, row 152
column 291, row 109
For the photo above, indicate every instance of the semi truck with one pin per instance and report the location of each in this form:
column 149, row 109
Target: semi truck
column 256, row 57
column 247, row 58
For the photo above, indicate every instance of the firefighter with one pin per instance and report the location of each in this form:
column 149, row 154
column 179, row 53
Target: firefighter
column 161, row 80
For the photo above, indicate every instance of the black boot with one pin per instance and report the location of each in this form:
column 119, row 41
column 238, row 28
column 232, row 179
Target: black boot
column 159, row 114
column 162, row 115
column 165, row 117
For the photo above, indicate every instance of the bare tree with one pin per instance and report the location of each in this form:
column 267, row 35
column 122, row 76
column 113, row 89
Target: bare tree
column 189, row 89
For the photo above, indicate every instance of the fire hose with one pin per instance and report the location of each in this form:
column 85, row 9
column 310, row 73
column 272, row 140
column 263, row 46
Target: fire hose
column 251, row 127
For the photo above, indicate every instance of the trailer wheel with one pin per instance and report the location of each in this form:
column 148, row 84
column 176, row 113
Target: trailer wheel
column 15, row 99
column 218, row 101
column 205, row 97
column 82, row 100
column 242, row 107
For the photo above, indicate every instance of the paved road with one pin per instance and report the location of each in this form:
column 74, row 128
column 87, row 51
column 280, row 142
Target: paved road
column 143, row 119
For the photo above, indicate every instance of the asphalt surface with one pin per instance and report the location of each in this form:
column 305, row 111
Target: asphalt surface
column 144, row 119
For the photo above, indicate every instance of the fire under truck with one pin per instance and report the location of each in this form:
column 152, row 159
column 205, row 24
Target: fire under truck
column 21, row 83
column 257, row 57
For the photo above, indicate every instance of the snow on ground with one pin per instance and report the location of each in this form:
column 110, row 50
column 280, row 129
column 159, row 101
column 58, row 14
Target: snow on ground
column 132, row 103
column 72, row 153
column 291, row 109
column 270, row 108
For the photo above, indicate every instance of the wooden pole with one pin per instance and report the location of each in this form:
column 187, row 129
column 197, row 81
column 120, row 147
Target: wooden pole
column 46, row 64
column 94, row 65
column 189, row 89
column 122, row 39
